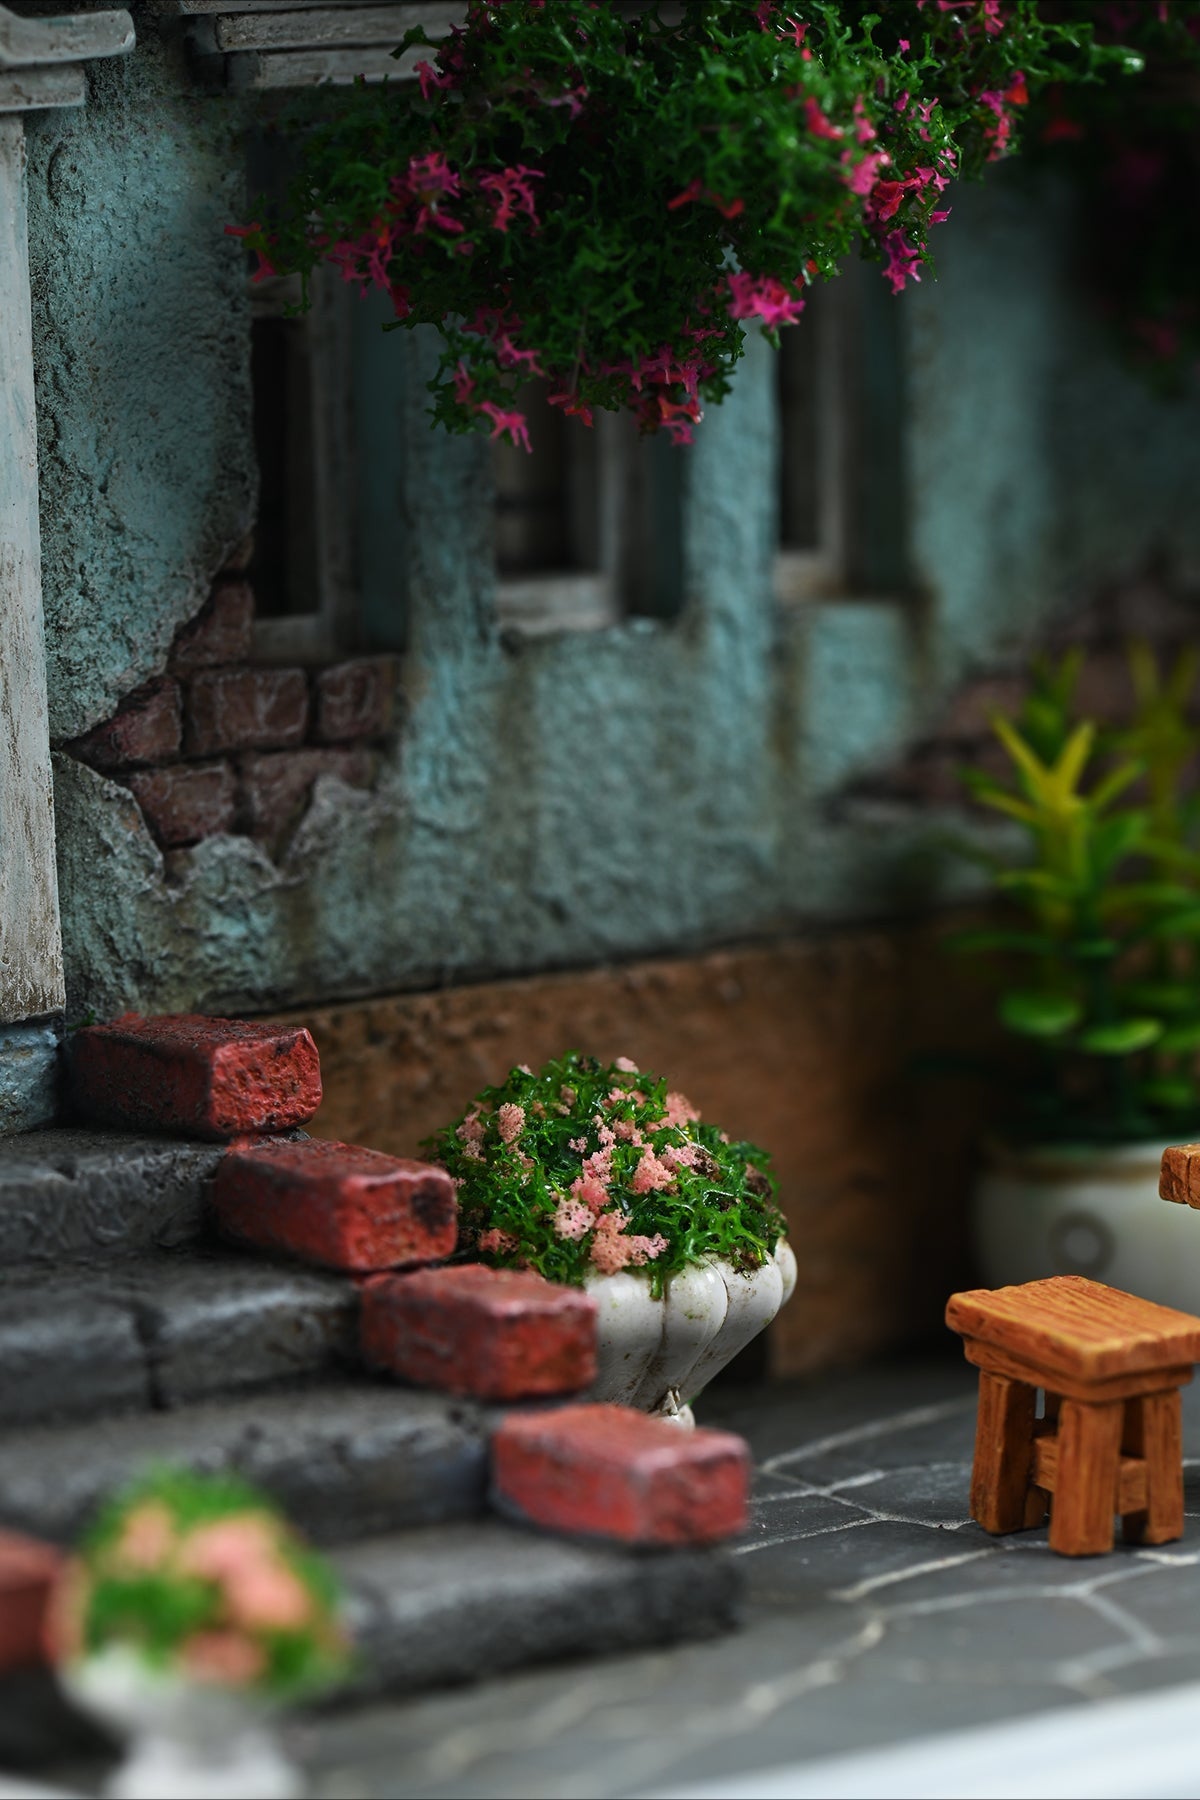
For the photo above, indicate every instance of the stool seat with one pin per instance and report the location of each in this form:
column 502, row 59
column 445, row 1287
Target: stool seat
column 1110, row 1366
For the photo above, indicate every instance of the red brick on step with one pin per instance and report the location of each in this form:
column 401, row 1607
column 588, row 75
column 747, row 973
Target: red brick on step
column 337, row 1205
column 498, row 1334
column 221, row 632
column 355, row 700
column 199, row 1077
column 145, row 729
column 246, row 709
column 186, row 802
column 28, row 1572
column 607, row 1471
column 276, row 785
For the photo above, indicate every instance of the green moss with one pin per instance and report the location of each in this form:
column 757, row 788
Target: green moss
column 587, row 1165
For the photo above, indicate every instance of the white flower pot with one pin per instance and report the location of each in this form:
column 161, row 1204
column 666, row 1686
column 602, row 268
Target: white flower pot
column 1093, row 1212
column 187, row 1740
column 658, row 1354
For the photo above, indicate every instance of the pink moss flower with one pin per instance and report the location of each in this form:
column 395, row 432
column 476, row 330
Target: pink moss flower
column 645, row 1249
column 497, row 1243
column 268, row 1597
column 228, row 1549
column 680, row 1112
column 510, row 1122
column 610, row 1252
column 148, row 1537
column 590, row 1192
column 652, row 1175
column 572, row 1219
column 223, row 1656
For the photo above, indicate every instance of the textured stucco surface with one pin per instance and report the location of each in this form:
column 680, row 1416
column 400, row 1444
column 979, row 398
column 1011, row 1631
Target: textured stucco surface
column 654, row 787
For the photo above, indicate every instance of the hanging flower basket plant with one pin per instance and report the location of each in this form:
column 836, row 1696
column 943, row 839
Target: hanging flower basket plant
column 607, row 198
column 596, row 1175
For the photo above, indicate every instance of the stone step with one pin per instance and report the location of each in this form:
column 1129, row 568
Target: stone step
column 165, row 1329
column 458, row 1602
column 446, row 1604
column 74, row 1195
column 344, row 1458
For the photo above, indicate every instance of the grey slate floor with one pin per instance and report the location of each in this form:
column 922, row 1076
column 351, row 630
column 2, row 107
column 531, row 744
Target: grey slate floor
column 878, row 1613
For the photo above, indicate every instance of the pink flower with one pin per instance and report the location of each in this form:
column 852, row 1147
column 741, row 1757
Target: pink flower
column 429, row 79
column 819, row 122
column 471, row 1130
column 223, row 1656
column 652, row 1175
column 515, row 423
column 900, row 258
column 680, row 1111
column 513, row 194
column 590, row 1192
column 497, row 1243
column 609, row 1253
column 628, row 1132
column 579, row 1145
column 510, row 1122
column 572, row 1218
column 267, row 1597
column 863, row 175
column 147, row 1538
column 228, row 1549
column 572, row 407
column 598, row 1166
column 680, row 1156
column 626, row 1066
column 645, row 1249
column 763, row 297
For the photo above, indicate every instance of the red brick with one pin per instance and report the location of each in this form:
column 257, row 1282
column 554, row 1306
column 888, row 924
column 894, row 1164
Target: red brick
column 200, row 1077
column 499, row 1334
column 246, row 709
column 276, row 786
column 183, row 804
column 356, row 700
column 221, row 632
column 28, row 1571
column 145, row 729
column 336, row 1204
column 606, row 1471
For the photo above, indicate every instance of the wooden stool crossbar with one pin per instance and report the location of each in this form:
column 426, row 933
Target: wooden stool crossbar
column 1110, row 1437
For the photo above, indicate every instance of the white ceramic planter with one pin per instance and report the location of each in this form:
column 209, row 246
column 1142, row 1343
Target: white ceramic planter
column 187, row 1740
column 658, row 1354
column 1087, row 1212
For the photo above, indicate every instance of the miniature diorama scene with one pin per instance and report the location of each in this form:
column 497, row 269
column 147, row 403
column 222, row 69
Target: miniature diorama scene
column 599, row 899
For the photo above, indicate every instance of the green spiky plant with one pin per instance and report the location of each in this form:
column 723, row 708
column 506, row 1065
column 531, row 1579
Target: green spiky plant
column 584, row 1167
column 1104, row 902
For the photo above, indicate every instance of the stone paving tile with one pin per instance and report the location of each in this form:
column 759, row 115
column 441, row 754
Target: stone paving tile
column 878, row 1612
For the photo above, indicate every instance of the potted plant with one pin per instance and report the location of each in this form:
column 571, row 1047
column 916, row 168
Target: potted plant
column 604, row 198
column 1101, row 884
column 190, row 1612
column 595, row 1174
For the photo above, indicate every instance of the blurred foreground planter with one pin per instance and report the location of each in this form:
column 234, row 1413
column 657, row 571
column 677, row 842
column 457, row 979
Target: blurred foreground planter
column 1093, row 1212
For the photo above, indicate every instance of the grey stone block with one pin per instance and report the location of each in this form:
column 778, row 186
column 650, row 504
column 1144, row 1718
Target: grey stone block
column 460, row 1602
column 73, row 1194
column 28, row 1075
column 343, row 1459
column 66, row 1347
column 212, row 1323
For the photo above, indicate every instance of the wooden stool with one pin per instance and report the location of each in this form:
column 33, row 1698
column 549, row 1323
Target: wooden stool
column 1110, row 1441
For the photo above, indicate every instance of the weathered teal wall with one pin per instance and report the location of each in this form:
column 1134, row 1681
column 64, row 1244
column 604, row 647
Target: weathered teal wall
column 655, row 787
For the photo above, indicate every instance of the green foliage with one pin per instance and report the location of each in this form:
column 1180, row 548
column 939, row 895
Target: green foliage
column 1105, row 903
column 203, row 1577
column 588, row 1166
column 603, row 198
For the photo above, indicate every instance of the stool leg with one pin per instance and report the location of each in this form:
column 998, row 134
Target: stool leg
column 1154, row 1431
column 1003, row 1452
column 1085, row 1483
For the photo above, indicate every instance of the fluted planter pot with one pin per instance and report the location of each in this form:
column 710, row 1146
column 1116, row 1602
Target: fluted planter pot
column 657, row 1355
column 1093, row 1212
column 185, row 1740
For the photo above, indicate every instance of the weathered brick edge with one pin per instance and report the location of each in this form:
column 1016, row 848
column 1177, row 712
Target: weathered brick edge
column 222, row 743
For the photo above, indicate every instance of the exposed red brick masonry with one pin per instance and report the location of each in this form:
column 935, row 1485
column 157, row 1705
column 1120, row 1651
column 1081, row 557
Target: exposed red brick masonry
column 200, row 1077
column 497, row 1334
column 226, row 744
column 28, row 1571
column 606, row 1471
column 336, row 1205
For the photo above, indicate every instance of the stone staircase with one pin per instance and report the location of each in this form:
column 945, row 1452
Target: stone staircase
column 129, row 1335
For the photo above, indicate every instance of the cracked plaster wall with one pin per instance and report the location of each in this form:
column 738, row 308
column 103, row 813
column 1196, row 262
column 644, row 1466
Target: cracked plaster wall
column 582, row 797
